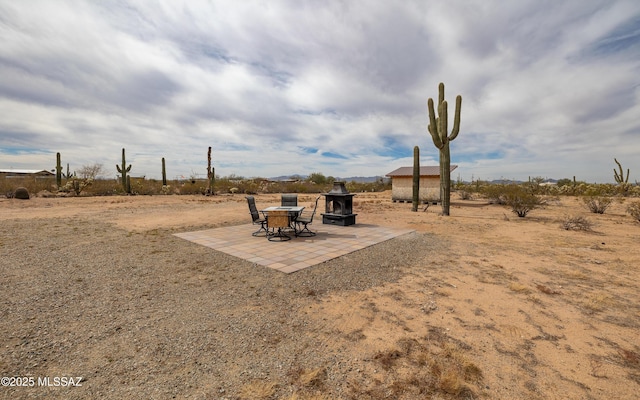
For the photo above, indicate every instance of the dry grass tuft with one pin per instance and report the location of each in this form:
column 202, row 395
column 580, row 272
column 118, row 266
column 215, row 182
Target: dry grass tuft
column 439, row 366
column 519, row 288
column 305, row 396
column 630, row 358
column 307, row 380
column 597, row 302
column 574, row 274
column 387, row 359
column 451, row 382
column 258, row 390
column 313, row 378
column 576, row 223
column 546, row 290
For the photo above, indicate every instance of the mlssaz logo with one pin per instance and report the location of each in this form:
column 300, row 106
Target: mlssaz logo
column 60, row 381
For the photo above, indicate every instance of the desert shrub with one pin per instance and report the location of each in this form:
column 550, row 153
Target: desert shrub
column 495, row 193
column 146, row 186
column 597, row 204
column 537, row 185
column 521, row 200
column 297, row 187
column 633, row 209
column 193, row 187
column 33, row 184
column 576, row 223
column 597, row 198
column 104, row 187
column 76, row 185
column 249, row 186
column 379, row 185
column 465, row 194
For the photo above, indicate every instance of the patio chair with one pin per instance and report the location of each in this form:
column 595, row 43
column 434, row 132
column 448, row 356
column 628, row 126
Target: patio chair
column 306, row 219
column 289, row 200
column 255, row 217
column 277, row 222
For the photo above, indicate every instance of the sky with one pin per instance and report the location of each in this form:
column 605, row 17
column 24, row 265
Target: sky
column 549, row 88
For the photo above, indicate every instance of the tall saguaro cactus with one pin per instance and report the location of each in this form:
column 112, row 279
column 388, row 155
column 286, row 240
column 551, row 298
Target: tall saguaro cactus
column 164, row 174
column 619, row 177
column 416, row 178
column 211, row 173
column 124, row 170
column 438, row 128
column 58, row 171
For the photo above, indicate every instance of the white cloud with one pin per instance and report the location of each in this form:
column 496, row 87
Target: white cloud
column 549, row 89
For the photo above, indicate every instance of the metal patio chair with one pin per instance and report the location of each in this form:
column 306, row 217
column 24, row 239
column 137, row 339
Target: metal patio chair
column 289, row 200
column 304, row 220
column 255, row 217
column 277, row 222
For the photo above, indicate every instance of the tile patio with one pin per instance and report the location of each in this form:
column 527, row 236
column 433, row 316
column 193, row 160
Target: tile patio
column 330, row 242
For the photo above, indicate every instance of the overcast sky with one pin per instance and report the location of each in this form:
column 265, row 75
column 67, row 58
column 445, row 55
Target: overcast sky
column 549, row 88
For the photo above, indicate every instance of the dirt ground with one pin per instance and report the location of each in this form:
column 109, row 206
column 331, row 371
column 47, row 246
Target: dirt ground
column 534, row 310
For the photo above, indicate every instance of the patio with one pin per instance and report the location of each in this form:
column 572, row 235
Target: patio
column 330, row 242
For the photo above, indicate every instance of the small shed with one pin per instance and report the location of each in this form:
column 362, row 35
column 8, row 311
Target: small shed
column 402, row 183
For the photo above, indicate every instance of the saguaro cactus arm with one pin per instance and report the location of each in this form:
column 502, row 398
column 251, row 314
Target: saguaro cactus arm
column 433, row 125
column 456, row 119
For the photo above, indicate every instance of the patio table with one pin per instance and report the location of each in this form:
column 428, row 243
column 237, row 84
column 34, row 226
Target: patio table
column 294, row 211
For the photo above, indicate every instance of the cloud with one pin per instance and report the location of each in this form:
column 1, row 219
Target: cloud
column 549, row 89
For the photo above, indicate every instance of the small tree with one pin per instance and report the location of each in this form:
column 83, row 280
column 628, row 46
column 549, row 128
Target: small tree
column 91, row 171
column 318, row 178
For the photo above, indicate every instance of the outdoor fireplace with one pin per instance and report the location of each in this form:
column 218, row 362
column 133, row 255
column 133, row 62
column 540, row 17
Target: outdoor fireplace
column 339, row 206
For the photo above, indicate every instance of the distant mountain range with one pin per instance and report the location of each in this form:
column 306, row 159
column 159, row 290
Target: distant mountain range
column 359, row 179
column 369, row 179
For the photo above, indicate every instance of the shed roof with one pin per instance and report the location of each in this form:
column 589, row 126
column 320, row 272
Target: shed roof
column 430, row 170
column 25, row 171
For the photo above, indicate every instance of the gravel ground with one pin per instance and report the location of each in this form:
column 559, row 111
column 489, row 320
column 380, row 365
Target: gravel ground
column 150, row 315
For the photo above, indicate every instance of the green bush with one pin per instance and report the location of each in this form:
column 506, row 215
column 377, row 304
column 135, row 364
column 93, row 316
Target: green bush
column 520, row 199
column 495, row 193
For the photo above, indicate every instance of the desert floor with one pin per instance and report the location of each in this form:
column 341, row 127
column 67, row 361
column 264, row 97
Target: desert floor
column 480, row 304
